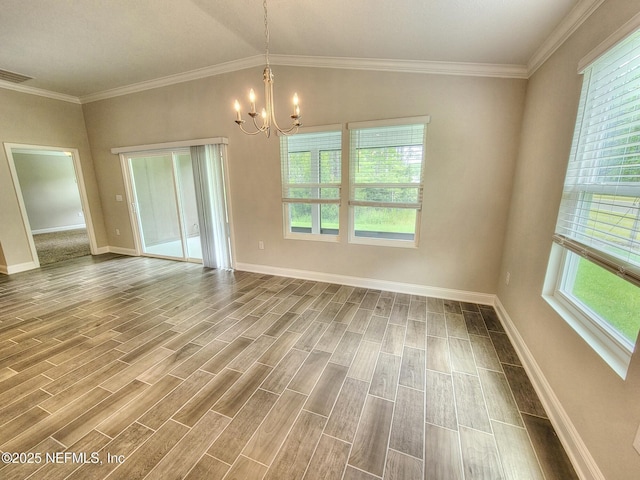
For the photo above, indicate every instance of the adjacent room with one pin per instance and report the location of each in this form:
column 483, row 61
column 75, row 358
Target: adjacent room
column 421, row 260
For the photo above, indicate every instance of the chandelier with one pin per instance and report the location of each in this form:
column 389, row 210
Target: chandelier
column 268, row 113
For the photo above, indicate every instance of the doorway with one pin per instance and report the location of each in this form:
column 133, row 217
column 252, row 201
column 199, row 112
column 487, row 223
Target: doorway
column 164, row 203
column 53, row 203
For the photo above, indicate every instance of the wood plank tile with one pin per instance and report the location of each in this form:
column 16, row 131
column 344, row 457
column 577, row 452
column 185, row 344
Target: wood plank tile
column 234, row 398
column 416, row 334
column 480, row 458
column 331, row 337
column 376, row 329
column 475, row 323
column 461, row 355
column 149, row 454
column 203, row 400
column 553, row 459
column 523, row 391
column 282, row 374
column 412, row 368
column 403, row 467
column 399, row 314
column 226, row 355
column 472, row 411
column 279, row 349
column 360, row 321
column 20, row 423
column 436, row 325
column 500, row 404
column 209, row 468
column 325, row 392
column 309, row 372
column 329, row 460
column 518, row 459
column 456, row 326
column 235, row 436
column 365, row 361
column 442, row 455
column 197, row 360
column 506, row 352
column 117, row 423
column 407, row 428
column 85, row 422
column 370, row 445
column 393, row 341
column 346, row 349
column 20, row 471
column 385, row 377
column 293, row 458
column 440, row 400
column 272, row 432
column 311, row 336
column 246, row 468
column 484, row 353
column 345, row 416
column 171, row 403
column 438, row 357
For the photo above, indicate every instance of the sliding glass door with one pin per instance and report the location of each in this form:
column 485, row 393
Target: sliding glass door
column 165, row 205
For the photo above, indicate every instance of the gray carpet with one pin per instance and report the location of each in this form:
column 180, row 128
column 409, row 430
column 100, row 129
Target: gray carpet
column 58, row 246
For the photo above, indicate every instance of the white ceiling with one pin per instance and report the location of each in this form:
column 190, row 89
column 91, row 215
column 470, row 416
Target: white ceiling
column 83, row 47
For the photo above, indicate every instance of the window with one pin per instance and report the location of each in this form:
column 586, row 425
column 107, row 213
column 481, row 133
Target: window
column 594, row 273
column 386, row 181
column 311, row 176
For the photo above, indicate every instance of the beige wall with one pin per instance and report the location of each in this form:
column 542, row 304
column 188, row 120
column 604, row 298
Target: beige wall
column 35, row 120
column 471, row 145
column 49, row 191
column 604, row 408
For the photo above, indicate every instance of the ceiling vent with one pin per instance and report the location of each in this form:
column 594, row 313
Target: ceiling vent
column 13, row 77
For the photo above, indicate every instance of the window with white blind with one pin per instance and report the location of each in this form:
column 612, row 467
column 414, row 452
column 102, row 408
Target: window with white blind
column 386, row 181
column 594, row 273
column 311, row 164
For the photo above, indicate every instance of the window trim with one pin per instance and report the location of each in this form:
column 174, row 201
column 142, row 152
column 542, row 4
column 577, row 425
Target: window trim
column 610, row 345
column 352, row 203
column 288, row 230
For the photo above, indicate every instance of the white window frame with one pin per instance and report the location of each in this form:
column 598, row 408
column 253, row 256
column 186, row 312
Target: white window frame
column 316, row 204
column 615, row 349
column 382, row 241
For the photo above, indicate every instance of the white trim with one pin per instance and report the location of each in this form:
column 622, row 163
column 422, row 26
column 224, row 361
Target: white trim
column 621, row 33
column 101, row 250
column 580, row 457
column 171, row 145
column 334, row 127
column 123, row 251
column 40, row 92
column 64, row 228
column 391, row 122
column 372, row 283
column 580, row 13
column 20, row 267
column 468, row 69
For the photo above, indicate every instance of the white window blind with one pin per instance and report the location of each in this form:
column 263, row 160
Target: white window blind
column 600, row 210
column 311, row 166
column 386, row 166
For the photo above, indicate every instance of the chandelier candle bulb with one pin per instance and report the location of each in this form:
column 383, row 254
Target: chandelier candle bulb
column 252, row 99
column 237, row 107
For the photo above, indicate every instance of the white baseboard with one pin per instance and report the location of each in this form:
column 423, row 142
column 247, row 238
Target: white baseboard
column 409, row 288
column 58, row 229
column 580, row 457
column 122, row 251
column 21, row 267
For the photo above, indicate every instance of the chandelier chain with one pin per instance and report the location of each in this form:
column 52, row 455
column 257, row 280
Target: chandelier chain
column 266, row 32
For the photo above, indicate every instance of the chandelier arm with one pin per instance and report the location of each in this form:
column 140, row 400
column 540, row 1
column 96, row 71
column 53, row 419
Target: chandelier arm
column 249, row 133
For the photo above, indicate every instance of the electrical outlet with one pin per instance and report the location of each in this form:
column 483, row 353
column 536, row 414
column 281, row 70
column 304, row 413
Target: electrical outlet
column 260, row 244
column 507, row 278
column 118, row 198
column 117, row 231
column 636, row 442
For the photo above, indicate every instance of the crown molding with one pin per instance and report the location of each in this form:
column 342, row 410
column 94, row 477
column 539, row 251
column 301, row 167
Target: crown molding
column 563, row 31
column 211, row 71
column 38, row 91
column 404, row 66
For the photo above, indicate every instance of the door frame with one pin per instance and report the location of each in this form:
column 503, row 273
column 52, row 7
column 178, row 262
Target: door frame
column 84, row 200
column 136, row 227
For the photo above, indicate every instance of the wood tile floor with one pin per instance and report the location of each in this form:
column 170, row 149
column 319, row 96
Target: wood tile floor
column 122, row 367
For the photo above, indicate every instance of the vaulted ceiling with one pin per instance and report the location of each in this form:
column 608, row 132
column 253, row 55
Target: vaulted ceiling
column 81, row 48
